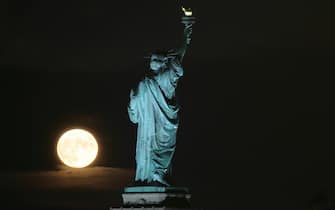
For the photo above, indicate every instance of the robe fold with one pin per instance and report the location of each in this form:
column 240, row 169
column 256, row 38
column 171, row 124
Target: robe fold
column 154, row 109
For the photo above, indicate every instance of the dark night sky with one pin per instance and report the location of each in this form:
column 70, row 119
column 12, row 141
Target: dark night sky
column 257, row 97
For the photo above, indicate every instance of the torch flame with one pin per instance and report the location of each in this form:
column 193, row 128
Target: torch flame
column 187, row 12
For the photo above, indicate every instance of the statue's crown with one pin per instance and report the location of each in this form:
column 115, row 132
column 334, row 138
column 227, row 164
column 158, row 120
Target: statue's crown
column 169, row 53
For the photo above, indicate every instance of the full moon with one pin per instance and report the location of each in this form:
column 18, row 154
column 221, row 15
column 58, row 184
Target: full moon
column 77, row 148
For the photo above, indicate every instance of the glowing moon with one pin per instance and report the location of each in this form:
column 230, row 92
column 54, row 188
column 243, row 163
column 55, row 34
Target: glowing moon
column 77, row 148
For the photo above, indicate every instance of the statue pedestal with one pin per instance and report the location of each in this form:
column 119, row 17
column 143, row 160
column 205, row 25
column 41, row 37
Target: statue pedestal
column 152, row 208
column 155, row 198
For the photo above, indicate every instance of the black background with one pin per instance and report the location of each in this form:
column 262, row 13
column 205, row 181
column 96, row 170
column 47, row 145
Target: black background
column 257, row 97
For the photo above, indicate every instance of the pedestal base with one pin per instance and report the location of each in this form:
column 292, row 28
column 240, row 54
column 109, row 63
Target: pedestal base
column 155, row 198
column 152, row 208
column 142, row 196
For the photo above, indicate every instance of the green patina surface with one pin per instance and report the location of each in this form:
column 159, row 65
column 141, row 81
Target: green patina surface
column 153, row 107
column 141, row 189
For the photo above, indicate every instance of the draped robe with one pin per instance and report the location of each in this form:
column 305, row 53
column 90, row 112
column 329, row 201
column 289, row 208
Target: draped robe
column 154, row 109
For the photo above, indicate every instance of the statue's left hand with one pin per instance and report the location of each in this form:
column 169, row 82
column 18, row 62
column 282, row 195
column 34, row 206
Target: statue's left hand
column 132, row 94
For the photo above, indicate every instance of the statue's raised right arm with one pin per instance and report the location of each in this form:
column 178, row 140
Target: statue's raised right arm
column 185, row 42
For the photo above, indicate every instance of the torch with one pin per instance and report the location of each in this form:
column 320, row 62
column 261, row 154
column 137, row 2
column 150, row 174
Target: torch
column 188, row 20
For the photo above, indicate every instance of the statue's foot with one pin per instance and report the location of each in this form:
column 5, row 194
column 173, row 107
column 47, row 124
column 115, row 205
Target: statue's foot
column 160, row 180
column 140, row 183
column 157, row 184
column 151, row 183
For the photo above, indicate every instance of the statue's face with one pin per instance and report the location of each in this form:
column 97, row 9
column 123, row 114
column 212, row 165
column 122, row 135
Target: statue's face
column 157, row 62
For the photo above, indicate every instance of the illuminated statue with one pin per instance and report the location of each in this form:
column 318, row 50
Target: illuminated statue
column 154, row 109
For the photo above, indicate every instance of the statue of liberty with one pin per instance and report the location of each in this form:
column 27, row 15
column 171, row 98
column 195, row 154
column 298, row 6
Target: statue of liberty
column 153, row 107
